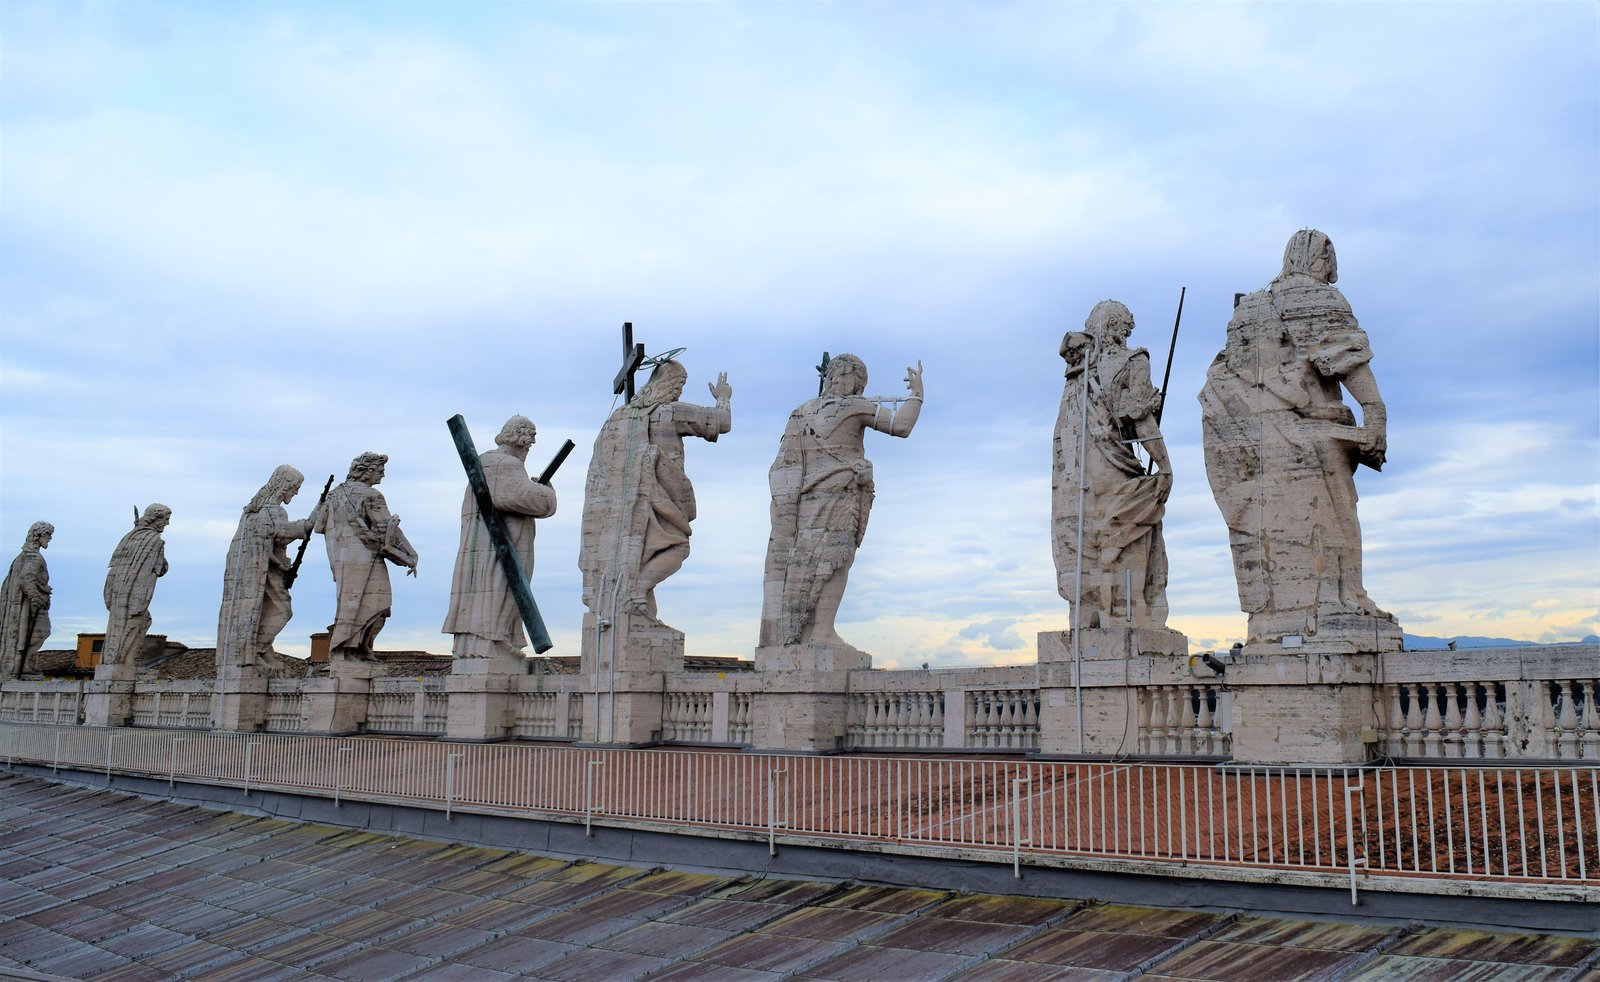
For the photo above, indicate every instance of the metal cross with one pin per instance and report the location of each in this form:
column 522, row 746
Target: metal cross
column 822, row 373
column 632, row 361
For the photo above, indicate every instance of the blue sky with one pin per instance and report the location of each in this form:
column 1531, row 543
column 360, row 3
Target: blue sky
column 233, row 236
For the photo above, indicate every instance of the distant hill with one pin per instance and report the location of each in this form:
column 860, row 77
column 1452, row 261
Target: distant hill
column 1418, row 642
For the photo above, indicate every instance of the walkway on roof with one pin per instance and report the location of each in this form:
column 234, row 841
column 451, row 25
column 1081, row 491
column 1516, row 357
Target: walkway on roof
column 97, row 884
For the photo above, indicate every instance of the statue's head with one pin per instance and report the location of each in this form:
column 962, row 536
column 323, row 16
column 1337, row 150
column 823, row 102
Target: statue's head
column 1310, row 253
column 1109, row 322
column 1075, row 346
column 368, row 468
column 847, row 376
column 284, row 483
column 665, row 385
column 157, row 516
column 39, row 534
column 519, row 431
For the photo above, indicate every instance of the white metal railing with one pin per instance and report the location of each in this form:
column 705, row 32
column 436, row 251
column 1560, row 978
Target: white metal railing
column 1182, row 721
column 896, row 719
column 1002, row 719
column 1537, row 825
column 174, row 705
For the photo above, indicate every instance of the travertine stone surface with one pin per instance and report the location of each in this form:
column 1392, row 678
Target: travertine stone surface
column 361, row 537
column 1106, row 511
column 255, row 598
column 25, row 603
column 638, row 502
column 822, row 492
column 1281, row 452
column 137, row 562
column 483, row 614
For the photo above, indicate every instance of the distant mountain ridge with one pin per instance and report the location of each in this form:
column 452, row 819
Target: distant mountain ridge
column 1418, row 642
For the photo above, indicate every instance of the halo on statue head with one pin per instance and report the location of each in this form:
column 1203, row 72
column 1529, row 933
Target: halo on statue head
column 662, row 358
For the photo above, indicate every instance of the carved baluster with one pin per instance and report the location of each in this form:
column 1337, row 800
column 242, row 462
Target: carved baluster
column 1494, row 741
column 1204, row 724
column 1394, row 741
column 1472, row 724
column 1433, row 722
column 1146, row 711
column 1414, row 725
column 1567, row 739
column 1591, row 718
column 1175, row 713
column 1450, row 696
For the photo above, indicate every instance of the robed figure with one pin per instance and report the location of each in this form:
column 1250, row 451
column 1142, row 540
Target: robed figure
column 255, row 591
column 1282, row 449
column 822, row 491
column 362, row 538
column 638, row 502
column 136, row 564
column 1107, row 504
column 25, row 603
column 483, row 615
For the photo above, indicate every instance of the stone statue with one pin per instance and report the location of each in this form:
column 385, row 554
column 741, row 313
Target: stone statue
column 255, row 596
column 822, row 493
column 1107, row 407
column 638, row 501
column 137, row 562
column 360, row 536
column 483, row 614
column 25, row 603
column 1281, row 452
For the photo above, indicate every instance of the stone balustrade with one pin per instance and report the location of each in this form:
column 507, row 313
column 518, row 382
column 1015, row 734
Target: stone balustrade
column 1512, row 704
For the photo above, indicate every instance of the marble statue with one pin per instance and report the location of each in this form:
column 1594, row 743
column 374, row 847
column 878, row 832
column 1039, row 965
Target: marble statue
column 638, row 502
column 361, row 538
column 483, row 614
column 1281, row 451
column 822, row 492
column 25, row 603
column 255, row 596
column 1114, row 558
column 137, row 562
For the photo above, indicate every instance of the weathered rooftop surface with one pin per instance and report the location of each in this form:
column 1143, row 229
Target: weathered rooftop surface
column 103, row 885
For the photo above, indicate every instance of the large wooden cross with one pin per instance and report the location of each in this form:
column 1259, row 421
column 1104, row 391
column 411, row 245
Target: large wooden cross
column 632, row 361
column 510, row 564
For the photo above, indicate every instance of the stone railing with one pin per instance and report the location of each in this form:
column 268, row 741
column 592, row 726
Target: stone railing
column 42, row 702
column 1185, row 720
column 185, row 705
column 548, row 709
column 897, row 719
column 687, row 717
column 944, row 709
column 286, row 700
column 1492, row 704
column 415, row 707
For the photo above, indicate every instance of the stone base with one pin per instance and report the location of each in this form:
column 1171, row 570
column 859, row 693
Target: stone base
column 803, row 712
column 811, row 657
column 1115, row 663
column 337, row 705
column 481, row 698
column 1110, row 643
column 243, row 704
column 1329, row 633
column 1303, row 708
column 627, row 712
column 623, row 664
column 108, row 703
column 633, row 643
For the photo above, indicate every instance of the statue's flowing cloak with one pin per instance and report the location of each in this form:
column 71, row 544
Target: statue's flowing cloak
column 481, row 603
column 821, row 498
column 254, row 595
column 1299, row 338
column 137, row 562
column 22, row 629
column 638, row 501
column 1124, row 506
column 359, row 533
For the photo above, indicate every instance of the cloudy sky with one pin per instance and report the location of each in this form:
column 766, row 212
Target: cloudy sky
column 238, row 235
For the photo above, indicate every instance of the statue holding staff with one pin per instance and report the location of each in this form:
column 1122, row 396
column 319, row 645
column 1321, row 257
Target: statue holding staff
column 255, row 598
column 136, row 564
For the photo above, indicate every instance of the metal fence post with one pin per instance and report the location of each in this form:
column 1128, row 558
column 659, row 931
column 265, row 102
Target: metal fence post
column 172, row 763
column 449, row 782
column 109, row 738
column 249, row 751
column 55, row 762
column 1016, row 825
column 588, row 795
column 338, row 773
column 772, row 810
column 1350, row 835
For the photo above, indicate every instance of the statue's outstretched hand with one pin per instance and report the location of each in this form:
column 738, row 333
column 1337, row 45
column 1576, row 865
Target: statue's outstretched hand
column 914, row 379
column 721, row 391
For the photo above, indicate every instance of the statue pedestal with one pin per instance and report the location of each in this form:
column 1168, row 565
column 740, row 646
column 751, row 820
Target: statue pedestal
column 1117, row 668
column 337, row 705
column 622, row 664
column 108, row 702
column 1303, row 708
column 811, row 657
column 1342, row 633
column 481, row 694
column 243, row 706
column 804, row 702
